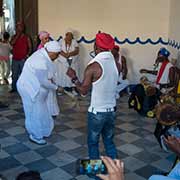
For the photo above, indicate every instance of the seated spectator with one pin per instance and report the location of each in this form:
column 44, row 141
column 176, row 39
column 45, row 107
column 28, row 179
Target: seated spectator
column 163, row 73
column 29, row 175
column 173, row 144
column 144, row 98
column 123, row 82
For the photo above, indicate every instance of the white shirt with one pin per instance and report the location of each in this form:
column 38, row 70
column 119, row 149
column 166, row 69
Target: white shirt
column 35, row 73
column 104, row 89
column 5, row 50
column 67, row 49
column 165, row 76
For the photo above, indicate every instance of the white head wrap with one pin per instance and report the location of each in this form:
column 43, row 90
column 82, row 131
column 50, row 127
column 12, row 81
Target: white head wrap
column 69, row 30
column 52, row 46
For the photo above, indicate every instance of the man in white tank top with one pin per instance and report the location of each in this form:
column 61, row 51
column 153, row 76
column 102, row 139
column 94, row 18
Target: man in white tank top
column 102, row 74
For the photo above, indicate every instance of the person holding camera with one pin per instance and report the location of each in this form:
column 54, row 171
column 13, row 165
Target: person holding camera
column 173, row 144
column 115, row 169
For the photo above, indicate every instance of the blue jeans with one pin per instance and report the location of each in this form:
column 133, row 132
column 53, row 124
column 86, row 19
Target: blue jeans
column 101, row 123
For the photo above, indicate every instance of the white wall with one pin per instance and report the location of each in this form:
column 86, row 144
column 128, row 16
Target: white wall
column 121, row 18
column 174, row 26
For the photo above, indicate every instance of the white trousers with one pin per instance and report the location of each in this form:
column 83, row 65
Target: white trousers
column 63, row 79
column 52, row 103
column 38, row 120
column 122, row 84
column 4, row 69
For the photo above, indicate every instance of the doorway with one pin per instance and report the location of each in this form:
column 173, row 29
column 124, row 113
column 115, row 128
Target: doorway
column 20, row 10
column 27, row 11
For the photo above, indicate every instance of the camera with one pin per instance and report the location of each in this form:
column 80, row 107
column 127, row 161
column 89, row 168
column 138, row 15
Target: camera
column 91, row 167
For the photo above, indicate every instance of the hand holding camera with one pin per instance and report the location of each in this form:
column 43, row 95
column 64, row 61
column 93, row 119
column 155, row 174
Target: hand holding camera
column 115, row 169
column 105, row 168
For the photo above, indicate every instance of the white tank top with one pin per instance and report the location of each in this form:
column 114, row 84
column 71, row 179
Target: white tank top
column 103, row 94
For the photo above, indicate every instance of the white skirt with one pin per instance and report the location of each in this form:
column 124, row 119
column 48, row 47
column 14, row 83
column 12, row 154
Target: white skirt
column 62, row 66
column 52, row 103
column 38, row 120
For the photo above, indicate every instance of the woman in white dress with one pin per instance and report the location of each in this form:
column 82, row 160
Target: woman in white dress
column 68, row 58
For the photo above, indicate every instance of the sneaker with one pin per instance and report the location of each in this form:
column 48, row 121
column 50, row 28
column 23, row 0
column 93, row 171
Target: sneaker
column 59, row 94
column 74, row 93
column 37, row 141
column 6, row 81
column 60, row 91
column 83, row 95
column 70, row 94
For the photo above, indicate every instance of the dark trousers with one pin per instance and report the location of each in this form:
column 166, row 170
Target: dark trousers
column 17, row 67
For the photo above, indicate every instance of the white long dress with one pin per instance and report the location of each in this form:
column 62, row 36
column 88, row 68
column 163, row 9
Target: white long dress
column 62, row 64
column 33, row 86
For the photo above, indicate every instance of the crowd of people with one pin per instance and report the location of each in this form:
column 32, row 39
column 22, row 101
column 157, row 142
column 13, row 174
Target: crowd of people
column 53, row 68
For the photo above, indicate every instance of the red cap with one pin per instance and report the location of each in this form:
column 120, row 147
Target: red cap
column 104, row 41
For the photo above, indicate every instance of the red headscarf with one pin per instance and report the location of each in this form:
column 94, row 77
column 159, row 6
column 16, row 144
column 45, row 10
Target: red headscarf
column 104, row 41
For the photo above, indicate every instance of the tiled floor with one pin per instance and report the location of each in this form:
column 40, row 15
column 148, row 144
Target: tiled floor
column 134, row 139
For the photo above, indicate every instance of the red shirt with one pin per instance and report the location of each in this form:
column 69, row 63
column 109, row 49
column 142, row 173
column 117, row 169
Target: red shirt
column 20, row 48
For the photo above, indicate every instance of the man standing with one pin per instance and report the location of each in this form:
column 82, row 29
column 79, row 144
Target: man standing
column 33, row 86
column 22, row 48
column 122, row 68
column 102, row 74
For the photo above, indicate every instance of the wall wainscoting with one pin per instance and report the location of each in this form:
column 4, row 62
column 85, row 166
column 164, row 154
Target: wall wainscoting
column 138, row 40
column 126, row 40
column 174, row 44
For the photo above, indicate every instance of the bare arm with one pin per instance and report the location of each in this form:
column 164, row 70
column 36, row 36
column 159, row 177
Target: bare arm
column 148, row 71
column 91, row 74
column 29, row 46
column 87, row 82
column 62, row 53
column 124, row 67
